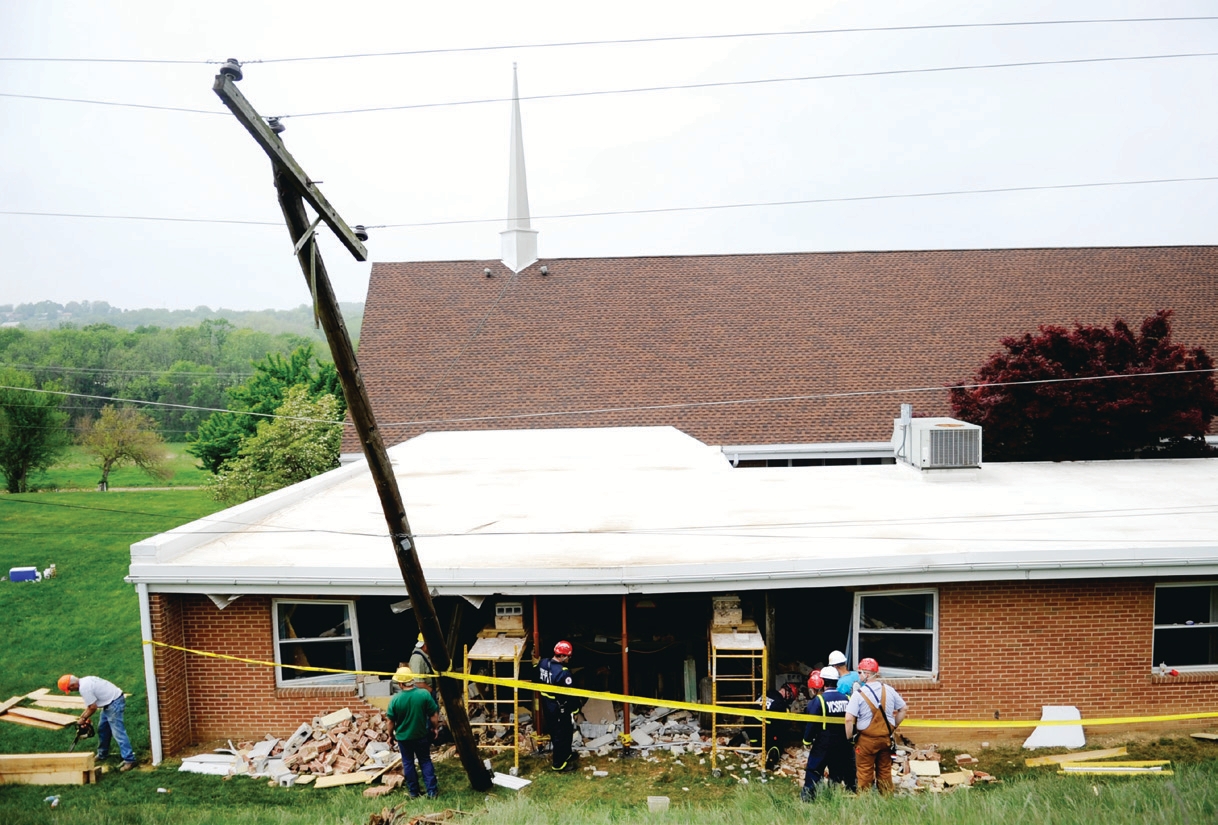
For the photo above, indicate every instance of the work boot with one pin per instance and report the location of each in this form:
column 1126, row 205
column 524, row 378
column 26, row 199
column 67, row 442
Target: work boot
column 126, row 766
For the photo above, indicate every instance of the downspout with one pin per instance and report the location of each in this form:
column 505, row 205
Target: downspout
column 154, row 704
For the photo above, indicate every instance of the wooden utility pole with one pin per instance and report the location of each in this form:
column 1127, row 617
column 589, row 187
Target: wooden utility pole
column 294, row 188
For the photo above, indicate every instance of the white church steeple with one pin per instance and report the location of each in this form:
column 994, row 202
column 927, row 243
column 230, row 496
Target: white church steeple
column 518, row 241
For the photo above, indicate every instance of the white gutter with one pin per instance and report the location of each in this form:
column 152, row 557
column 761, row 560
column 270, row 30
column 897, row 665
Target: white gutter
column 154, row 704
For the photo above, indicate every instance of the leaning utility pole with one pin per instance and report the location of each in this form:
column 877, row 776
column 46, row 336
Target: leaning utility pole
column 294, row 187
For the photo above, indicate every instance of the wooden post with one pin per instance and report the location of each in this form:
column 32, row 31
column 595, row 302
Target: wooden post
column 288, row 184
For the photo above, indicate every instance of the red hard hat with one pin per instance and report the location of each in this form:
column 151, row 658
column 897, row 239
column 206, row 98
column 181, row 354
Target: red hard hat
column 562, row 649
column 870, row 664
column 788, row 689
column 815, row 682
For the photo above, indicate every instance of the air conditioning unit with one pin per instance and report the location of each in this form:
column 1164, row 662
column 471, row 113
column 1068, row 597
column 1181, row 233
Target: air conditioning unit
column 936, row 443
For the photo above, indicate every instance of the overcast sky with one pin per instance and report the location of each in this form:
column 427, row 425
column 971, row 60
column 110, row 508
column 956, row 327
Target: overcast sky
column 888, row 134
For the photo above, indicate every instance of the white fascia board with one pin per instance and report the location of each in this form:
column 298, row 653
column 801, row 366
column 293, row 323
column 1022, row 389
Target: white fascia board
column 842, row 449
column 850, row 571
column 165, row 547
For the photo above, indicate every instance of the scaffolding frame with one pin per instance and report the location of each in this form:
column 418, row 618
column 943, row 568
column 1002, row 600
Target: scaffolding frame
column 738, row 678
column 500, row 653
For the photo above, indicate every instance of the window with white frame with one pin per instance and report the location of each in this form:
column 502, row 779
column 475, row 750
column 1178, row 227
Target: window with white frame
column 315, row 634
column 1186, row 626
column 900, row 630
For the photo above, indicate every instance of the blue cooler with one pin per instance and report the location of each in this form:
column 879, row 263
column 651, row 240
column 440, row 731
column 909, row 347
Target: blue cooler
column 23, row 574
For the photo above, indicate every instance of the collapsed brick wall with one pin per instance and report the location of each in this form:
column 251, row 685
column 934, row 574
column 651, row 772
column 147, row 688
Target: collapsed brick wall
column 227, row 699
column 1008, row 648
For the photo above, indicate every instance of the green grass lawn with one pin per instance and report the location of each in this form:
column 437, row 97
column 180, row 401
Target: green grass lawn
column 86, row 621
column 78, row 470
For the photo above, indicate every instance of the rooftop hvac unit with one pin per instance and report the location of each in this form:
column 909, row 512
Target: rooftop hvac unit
column 936, row 443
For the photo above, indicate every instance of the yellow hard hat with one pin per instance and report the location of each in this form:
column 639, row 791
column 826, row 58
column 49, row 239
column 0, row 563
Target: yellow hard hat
column 404, row 674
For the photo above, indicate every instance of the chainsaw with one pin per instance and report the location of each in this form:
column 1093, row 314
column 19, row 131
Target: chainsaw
column 84, row 730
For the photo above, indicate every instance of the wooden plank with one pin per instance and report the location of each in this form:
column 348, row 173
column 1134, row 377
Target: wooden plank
column 357, row 778
column 38, row 694
column 1117, row 772
column 8, row 703
column 33, row 723
column 1140, row 763
column 1210, row 737
column 61, row 702
column 44, row 715
column 1081, row 756
column 36, row 762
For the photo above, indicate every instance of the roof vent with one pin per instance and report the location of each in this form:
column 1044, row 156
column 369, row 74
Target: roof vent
column 935, row 443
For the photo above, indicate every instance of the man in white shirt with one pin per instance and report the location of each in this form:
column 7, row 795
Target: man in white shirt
column 99, row 694
column 875, row 711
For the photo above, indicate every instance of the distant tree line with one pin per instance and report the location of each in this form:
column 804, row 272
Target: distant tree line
column 51, row 315
column 192, row 366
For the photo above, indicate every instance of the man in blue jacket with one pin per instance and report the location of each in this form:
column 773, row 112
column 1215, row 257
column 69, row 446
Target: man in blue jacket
column 559, row 707
column 826, row 741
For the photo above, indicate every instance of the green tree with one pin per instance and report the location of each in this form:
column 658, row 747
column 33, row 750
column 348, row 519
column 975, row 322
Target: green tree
column 301, row 442
column 124, row 436
column 218, row 438
column 33, row 429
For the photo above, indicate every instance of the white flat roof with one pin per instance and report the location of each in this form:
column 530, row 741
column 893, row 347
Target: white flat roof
column 652, row 510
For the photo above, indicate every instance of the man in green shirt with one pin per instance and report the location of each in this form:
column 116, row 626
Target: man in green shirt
column 414, row 714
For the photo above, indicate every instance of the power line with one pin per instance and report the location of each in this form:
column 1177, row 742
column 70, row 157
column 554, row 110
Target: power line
column 756, row 82
column 174, row 406
column 805, row 201
column 646, row 407
column 665, row 209
column 778, row 399
column 100, row 370
column 637, row 90
column 114, row 103
column 627, row 41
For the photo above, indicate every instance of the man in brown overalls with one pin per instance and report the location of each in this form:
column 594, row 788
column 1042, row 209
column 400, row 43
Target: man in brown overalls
column 875, row 712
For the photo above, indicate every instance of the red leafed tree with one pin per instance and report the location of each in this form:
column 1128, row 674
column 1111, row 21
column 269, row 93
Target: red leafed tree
column 1164, row 415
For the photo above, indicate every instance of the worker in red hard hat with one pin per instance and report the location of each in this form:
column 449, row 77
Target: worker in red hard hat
column 559, row 708
column 874, row 712
column 826, row 740
column 100, row 695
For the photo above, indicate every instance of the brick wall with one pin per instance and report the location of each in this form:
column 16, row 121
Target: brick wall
column 1011, row 647
column 170, row 668
column 230, row 699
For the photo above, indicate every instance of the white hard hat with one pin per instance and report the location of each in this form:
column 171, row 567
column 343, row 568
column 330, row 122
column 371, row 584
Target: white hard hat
column 837, row 658
column 829, row 673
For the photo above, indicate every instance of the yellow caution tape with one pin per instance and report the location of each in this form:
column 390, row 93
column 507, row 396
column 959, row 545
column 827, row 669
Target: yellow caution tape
column 727, row 710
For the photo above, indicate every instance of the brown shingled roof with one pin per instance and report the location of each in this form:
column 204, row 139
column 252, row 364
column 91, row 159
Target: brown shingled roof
column 442, row 342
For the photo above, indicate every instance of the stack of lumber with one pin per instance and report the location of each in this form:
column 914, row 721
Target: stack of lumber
column 11, row 711
column 48, row 769
column 1087, row 763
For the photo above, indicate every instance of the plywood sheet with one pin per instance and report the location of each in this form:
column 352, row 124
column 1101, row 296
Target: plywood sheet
column 359, row 777
column 498, row 649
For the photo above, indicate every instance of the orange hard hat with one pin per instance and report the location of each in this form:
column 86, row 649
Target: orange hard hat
column 870, row 664
column 65, row 682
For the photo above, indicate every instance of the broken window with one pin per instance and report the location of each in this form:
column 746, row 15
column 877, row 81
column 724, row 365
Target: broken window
column 315, row 634
column 899, row 629
column 1186, row 626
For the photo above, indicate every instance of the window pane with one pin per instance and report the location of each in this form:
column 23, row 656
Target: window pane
column 1187, row 645
column 302, row 620
column 914, row 611
column 910, row 651
column 336, row 655
column 1177, row 605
